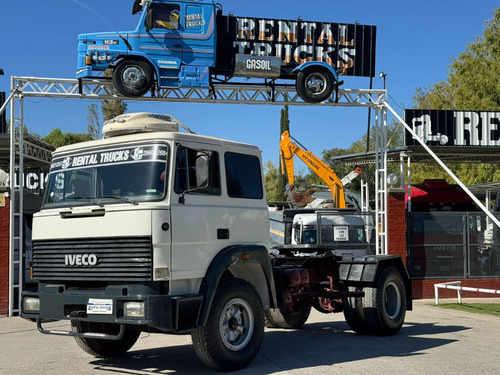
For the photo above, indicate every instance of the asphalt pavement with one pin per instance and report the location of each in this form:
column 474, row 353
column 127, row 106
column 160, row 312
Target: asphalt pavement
column 432, row 341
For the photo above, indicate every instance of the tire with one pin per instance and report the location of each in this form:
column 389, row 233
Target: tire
column 233, row 334
column 354, row 314
column 133, row 78
column 315, row 85
column 104, row 348
column 385, row 305
column 276, row 319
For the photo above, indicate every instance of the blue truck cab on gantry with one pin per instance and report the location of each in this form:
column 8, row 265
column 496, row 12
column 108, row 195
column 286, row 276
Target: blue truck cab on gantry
column 189, row 43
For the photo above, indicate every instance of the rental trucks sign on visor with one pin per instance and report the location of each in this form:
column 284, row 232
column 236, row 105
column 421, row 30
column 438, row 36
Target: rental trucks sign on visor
column 110, row 156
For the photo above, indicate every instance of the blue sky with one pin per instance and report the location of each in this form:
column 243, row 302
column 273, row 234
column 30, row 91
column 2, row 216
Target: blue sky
column 416, row 41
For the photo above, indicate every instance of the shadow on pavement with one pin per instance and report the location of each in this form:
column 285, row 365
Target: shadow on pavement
column 316, row 344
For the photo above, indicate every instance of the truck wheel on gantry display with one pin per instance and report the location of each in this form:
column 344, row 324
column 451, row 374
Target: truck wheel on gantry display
column 385, row 305
column 104, row 348
column 354, row 313
column 133, row 78
column 276, row 319
column 315, row 85
column 233, row 334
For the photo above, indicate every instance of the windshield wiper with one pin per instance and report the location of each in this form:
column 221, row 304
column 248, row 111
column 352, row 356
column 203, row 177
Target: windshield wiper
column 123, row 199
column 90, row 199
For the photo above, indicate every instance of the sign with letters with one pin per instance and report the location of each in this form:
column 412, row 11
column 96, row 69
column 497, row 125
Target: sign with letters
column 453, row 128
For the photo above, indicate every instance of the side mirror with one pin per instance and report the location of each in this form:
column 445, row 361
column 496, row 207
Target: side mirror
column 203, row 180
column 137, row 7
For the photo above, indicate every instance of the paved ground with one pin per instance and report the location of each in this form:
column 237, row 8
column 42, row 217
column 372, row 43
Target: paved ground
column 432, row 341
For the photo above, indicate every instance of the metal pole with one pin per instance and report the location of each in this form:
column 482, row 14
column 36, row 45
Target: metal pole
column 12, row 192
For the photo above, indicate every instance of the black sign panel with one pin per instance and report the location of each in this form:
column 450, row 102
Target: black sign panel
column 116, row 155
column 453, row 128
column 296, row 42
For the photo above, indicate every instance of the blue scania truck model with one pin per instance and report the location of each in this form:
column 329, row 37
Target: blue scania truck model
column 190, row 43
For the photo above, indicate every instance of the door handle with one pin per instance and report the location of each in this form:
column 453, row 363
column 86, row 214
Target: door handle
column 222, row 234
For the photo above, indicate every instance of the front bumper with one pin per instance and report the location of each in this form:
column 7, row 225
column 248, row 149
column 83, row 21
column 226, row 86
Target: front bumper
column 164, row 313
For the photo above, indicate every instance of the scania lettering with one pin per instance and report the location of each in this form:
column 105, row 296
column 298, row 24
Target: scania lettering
column 190, row 43
column 177, row 241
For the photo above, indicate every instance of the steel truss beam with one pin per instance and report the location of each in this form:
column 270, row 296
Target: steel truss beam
column 219, row 93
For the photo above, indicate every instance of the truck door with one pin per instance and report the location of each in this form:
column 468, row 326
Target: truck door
column 199, row 220
column 163, row 40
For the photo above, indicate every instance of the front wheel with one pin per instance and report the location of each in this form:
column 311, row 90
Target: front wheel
column 133, row 78
column 233, row 334
column 315, row 86
column 104, row 348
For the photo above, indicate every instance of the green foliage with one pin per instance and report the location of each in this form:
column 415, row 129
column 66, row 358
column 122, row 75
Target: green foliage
column 474, row 76
column 272, row 178
column 57, row 138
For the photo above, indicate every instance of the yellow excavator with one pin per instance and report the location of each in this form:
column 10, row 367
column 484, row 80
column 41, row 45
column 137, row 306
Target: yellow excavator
column 289, row 148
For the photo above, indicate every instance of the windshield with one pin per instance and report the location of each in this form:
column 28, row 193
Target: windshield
column 113, row 175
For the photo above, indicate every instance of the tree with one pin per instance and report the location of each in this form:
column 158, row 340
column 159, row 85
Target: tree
column 110, row 108
column 473, row 84
column 474, row 77
column 93, row 123
column 282, row 180
column 57, row 138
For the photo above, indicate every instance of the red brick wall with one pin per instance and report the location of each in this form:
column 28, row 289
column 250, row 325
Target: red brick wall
column 4, row 257
column 396, row 224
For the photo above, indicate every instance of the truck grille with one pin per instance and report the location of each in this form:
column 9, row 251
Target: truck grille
column 95, row 259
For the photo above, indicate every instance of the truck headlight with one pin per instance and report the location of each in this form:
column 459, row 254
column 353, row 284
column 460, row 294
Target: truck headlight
column 31, row 304
column 134, row 309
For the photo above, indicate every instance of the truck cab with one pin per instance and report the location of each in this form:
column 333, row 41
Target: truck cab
column 349, row 234
column 137, row 229
column 173, row 42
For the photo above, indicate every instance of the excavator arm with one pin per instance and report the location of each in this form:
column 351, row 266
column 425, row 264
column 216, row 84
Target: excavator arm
column 288, row 149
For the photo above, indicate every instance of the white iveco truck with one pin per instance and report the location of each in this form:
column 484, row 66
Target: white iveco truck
column 154, row 230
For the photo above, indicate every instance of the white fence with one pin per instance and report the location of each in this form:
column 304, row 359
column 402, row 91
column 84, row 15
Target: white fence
column 457, row 285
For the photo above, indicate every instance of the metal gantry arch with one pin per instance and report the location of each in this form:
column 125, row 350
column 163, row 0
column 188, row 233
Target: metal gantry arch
column 22, row 87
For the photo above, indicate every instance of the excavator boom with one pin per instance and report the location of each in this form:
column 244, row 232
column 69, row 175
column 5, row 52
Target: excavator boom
column 288, row 149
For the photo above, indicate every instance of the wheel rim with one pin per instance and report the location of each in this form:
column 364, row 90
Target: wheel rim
column 316, row 83
column 236, row 324
column 133, row 76
column 392, row 300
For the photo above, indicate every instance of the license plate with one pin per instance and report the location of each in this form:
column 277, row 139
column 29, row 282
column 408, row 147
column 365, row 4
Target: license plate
column 100, row 306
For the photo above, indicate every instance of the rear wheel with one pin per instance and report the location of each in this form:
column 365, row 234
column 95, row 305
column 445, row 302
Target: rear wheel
column 233, row 334
column 104, row 348
column 275, row 318
column 354, row 313
column 385, row 305
column 315, row 85
column 133, row 78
